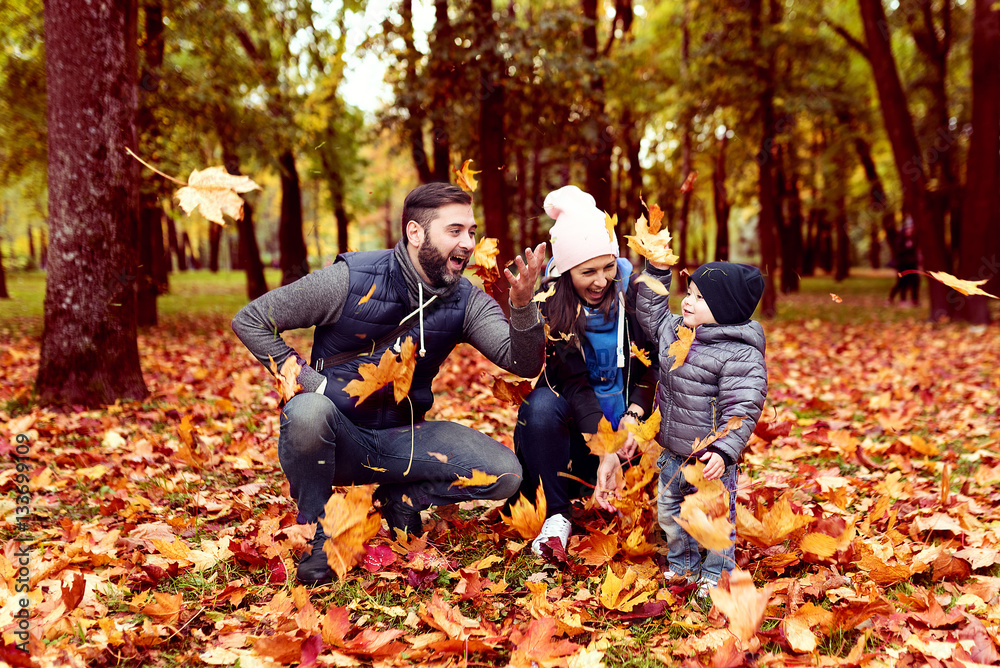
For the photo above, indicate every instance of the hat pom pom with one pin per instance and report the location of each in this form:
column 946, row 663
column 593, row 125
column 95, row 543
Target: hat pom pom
column 567, row 198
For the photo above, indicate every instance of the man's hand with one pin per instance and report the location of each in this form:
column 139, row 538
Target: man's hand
column 607, row 482
column 715, row 466
column 522, row 286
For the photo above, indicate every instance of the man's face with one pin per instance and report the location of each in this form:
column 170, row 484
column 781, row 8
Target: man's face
column 446, row 246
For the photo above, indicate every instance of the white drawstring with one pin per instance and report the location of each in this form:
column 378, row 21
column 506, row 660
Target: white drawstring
column 621, row 329
column 420, row 287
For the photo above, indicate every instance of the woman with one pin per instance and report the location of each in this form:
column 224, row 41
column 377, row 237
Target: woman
column 590, row 372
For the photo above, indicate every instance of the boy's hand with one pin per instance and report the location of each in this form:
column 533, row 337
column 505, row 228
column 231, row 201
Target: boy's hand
column 715, row 466
column 607, row 482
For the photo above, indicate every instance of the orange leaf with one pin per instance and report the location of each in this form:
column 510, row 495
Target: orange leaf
column 836, row 298
column 287, row 379
column 542, row 296
column 597, row 548
column 688, row 184
column 606, row 440
column 705, row 514
column 478, row 479
column 536, row 646
column 650, row 241
column 965, row 287
column 486, row 252
column 623, row 593
column 349, row 526
column 367, row 296
column 640, row 355
column 465, row 177
column 167, row 607
column 527, row 519
column 775, row 524
column 511, row 392
column 743, row 604
column 655, row 217
column 679, row 348
column 399, row 372
column 648, row 429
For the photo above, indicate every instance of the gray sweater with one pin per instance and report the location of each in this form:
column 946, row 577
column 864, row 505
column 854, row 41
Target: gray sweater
column 517, row 346
column 723, row 376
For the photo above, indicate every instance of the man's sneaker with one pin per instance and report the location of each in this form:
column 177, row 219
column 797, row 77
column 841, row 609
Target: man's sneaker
column 313, row 568
column 557, row 526
column 397, row 514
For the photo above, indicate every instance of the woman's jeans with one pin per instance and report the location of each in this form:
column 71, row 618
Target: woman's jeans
column 319, row 447
column 685, row 557
column 547, row 442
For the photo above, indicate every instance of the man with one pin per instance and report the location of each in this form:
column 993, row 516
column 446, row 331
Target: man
column 414, row 290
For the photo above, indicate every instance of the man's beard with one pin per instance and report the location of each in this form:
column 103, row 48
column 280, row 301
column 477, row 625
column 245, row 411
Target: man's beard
column 435, row 266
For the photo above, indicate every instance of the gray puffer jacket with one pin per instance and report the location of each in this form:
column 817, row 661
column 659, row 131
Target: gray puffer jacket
column 723, row 376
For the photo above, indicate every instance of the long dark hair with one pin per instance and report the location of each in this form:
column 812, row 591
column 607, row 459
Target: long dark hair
column 564, row 310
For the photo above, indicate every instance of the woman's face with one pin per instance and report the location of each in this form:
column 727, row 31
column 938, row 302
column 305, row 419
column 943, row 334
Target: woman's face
column 593, row 278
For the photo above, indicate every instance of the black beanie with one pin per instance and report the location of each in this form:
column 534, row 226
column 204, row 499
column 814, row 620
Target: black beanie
column 731, row 290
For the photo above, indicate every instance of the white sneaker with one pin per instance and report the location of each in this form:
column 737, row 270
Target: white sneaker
column 557, row 526
column 704, row 585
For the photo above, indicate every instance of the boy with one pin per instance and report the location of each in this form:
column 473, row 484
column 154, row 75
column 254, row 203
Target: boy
column 723, row 376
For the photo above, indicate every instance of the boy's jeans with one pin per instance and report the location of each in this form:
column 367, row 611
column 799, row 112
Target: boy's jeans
column 685, row 556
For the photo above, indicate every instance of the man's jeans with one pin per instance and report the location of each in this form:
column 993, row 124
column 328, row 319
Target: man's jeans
column 685, row 557
column 319, row 447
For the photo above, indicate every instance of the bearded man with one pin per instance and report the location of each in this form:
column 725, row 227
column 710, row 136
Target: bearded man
column 361, row 305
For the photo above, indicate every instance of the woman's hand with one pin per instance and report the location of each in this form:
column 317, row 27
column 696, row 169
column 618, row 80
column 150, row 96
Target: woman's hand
column 607, row 482
column 715, row 466
column 628, row 449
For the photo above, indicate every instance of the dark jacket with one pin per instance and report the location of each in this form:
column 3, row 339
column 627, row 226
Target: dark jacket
column 566, row 371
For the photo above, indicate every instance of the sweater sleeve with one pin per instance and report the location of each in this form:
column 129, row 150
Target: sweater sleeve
column 642, row 378
column 517, row 345
column 315, row 299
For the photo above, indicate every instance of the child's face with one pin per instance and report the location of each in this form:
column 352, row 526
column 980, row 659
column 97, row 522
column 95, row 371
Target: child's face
column 695, row 308
column 591, row 279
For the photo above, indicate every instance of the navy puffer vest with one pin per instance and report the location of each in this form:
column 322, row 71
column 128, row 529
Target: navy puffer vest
column 360, row 325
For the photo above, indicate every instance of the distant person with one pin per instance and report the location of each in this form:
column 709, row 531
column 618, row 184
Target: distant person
column 907, row 261
column 590, row 372
column 723, row 376
column 362, row 304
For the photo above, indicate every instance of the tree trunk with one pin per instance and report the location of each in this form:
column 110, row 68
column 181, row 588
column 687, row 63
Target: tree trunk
column 248, row 252
column 905, row 149
column 980, row 257
column 3, row 279
column 720, row 200
column 600, row 142
column 294, row 257
column 146, row 291
column 89, row 353
column 415, row 116
column 214, row 240
column 492, row 107
column 880, row 211
column 31, row 248
column 791, row 230
column 441, row 75
column 389, row 224
column 175, row 250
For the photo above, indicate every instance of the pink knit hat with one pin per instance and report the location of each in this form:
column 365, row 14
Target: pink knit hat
column 579, row 233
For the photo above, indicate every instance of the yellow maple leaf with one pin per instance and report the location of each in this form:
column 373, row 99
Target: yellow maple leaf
column 650, row 241
column 648, row 429
column 527, row 519
column 399, row 372
column 640, row 355
column 820, row 544
column 610, row 222
column 349, row 527
column 542, row 296
column 215, row 192
column 774, row 525
column 965, row 287
column 367, row 296
column 486, row 252
column 478, row 479
column 176, row 550
column 287, row 378
column 679, row 348
column 702, row 443
column 606, row 440
column 656, row 286
column 623, row 593
column 465, row 177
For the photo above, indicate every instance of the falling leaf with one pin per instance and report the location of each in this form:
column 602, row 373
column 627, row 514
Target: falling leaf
column 367, row 296
column 438, row 456
column 527, row 519
column 349, row 527
column 486, row 252
column 465, row 177
column 640, row 355
column 611, row 222
column 542, row 296
column 653, row 284
column 688, row 184
column 478, row 479
column 965, row 287
column 679, row 348
column 607, row 440
column 705, row 514
column 286, row 379
column 512, row 393
column 399, row 372
column 743, row 604
column 836, row 298
column 214, row 191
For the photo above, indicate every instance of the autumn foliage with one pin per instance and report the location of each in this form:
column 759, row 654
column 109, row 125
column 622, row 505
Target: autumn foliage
column 163, row 532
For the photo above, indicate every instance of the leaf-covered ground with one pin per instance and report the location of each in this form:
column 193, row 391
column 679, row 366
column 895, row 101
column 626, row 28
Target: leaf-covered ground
column 161, row 533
